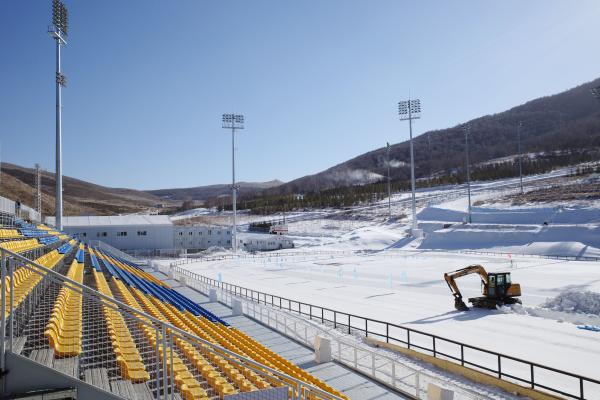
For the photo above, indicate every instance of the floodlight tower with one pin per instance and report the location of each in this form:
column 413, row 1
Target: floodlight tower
column 58, row 31
column 409, row 110
column 233, row 122
column 467, row 129
column 389, row 186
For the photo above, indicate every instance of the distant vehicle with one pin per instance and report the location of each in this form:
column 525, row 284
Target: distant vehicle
column 497, row 288
column 270, row 227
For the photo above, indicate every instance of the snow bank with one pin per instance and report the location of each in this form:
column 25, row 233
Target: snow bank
column 575, row 301
column 514, row 215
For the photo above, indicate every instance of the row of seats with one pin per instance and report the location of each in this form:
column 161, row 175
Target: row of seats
column 26, row 279
column 164, row 293
column 128, row 357
column 136, row 271
column 34, row 232
column 46, row 240
column 228, row 337
column 64, row 329
column 244, row 378
column 19, row 246
column 188, row 386
column 221, row 377
column 10, row 234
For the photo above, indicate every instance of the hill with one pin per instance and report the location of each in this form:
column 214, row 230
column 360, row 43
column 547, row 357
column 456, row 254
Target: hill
column 80, row 197
column 213, row 191
column 568, row 121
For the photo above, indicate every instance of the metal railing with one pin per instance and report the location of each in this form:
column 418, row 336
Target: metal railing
column 375, row 363
column 115, row 252
column 503, row 366
column 23, row 324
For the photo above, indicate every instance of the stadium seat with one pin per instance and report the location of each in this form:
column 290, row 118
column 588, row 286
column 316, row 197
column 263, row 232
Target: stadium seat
column 19, row 246
column 128, row 357
column 64, row 330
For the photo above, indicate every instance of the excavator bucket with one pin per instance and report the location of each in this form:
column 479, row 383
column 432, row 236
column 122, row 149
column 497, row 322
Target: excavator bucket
column 460, row 305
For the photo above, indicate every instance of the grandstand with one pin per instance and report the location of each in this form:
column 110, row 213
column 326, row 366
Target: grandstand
column 80, row 317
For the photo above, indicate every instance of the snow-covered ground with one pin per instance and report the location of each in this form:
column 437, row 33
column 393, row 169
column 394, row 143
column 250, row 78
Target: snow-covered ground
column 403, row 282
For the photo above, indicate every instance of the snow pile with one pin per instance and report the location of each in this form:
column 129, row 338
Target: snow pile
column 575, row 301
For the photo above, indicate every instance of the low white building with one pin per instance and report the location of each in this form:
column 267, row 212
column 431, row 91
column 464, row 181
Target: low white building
column 157, row 232
column 201, row 237
column 125, row 232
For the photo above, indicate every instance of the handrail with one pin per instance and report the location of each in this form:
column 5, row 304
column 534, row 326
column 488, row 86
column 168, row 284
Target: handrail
column 119, row 306
column 255, row 296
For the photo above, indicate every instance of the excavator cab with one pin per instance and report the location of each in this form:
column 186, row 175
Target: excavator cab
column 497, row 288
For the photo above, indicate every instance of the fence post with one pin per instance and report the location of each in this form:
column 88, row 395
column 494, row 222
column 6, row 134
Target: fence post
column 418, row 384
column 373, row 364
column 499, row 367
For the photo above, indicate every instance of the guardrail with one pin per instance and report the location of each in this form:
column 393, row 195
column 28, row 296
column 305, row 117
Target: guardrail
column 502, row 366
column 28, row 320
column 378, row 365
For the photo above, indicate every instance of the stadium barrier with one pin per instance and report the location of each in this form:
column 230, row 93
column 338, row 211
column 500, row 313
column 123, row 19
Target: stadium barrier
column 378, row 365
column 505, row 367
column 24, row 327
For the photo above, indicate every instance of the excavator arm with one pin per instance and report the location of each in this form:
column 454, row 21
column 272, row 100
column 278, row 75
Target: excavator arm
column 450, row 278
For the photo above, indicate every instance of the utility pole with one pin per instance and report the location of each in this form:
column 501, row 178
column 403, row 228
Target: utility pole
column 233, row 122
column 38, row 189
column 389, row 186
column 467, row 129
column 58, row 31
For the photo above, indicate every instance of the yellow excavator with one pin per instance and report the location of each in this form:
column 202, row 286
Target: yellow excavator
column 497, row 288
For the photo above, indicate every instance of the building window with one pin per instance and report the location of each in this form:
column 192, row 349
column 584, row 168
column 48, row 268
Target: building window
column 191, row 233
column 228, row 232
column 210, row 232
column 84, row 234
column 100, row 234
column 142, row 233
column 123, row 233
column 180, row 233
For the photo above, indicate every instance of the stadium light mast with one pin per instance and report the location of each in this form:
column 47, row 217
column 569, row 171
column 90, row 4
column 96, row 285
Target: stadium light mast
column 467, row 130
column 59, row 31
column 389, row 186
column 519, row 125
column 409, row 110
column 233, row 122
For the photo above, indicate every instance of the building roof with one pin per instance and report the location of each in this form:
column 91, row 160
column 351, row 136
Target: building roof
column 113, row 220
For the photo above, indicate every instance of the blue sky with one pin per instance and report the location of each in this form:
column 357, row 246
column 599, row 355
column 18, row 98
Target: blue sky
column 318, row 81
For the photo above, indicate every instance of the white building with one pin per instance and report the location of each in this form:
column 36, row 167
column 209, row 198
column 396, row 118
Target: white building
column 200, row 237
column 157, row 232
column 125, row 232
